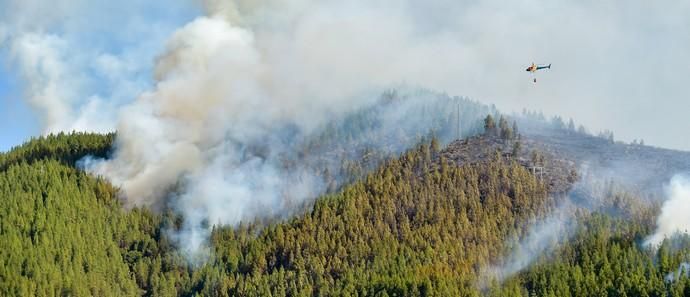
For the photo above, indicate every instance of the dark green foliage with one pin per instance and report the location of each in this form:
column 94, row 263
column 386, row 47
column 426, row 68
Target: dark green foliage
column 506, row 132
column 489, row 125
column 605, row 257
column 55, row 237
column 403, row 231
column 517, row 148
column 66, row 148
column 516, row 133
column 416, row 226
column 64, row 233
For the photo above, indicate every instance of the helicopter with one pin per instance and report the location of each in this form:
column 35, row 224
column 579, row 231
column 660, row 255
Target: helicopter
column 534, row 67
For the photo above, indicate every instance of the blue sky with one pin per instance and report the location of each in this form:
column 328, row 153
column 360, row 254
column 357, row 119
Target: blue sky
column 89, row 55
column 17, row 121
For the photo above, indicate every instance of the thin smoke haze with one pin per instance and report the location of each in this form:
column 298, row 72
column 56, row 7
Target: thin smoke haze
column 462, row 47
column 205, row 135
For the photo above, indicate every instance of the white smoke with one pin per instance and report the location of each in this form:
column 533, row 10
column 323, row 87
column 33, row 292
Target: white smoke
column 592, row 193
column 41, row 57
column 674, row 218
column 462, row 47
column 229, row 82
column 226, row 88
column 542, row 237
column 682, row 271
column 77, row 71
column 213, row 103
column 211, row 95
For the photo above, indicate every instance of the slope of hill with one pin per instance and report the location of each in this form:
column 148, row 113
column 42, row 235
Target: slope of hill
column 389, row 233
column 643, row 167
column 63, row 232
column 557, row 172
column 423, row 224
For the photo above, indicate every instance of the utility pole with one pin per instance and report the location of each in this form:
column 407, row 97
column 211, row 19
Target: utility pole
column 457, row 130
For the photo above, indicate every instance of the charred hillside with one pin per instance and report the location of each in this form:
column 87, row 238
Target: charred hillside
column 560, row 155
column 557, row 172
column 645, row 168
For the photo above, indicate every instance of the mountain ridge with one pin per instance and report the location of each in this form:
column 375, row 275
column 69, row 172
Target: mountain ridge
column 427, row 222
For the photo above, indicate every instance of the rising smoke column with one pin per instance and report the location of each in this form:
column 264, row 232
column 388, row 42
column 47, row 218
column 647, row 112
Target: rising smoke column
column 682, row 271
column 235, row 91
column 675, row 212
column 199, row 127
column 546, row 234
column 542, row 237
column 207, row 140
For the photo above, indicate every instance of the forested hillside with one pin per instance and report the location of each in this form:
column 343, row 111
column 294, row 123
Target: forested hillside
column 420, row 224
column 63, row 232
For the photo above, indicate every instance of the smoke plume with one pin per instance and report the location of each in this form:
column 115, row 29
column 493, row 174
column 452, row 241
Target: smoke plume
column 210, row 107
column 674, row 216
column 235, row 91
column 234, row 98
column 682, row 271
column 462, row 47
column 541, row 238
column 596, row 191
column 79, row 61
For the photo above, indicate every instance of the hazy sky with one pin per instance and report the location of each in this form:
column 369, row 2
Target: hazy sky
column 619, row 65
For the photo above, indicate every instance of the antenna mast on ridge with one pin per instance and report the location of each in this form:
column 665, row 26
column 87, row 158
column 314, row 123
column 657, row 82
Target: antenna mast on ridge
column 457, row 130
